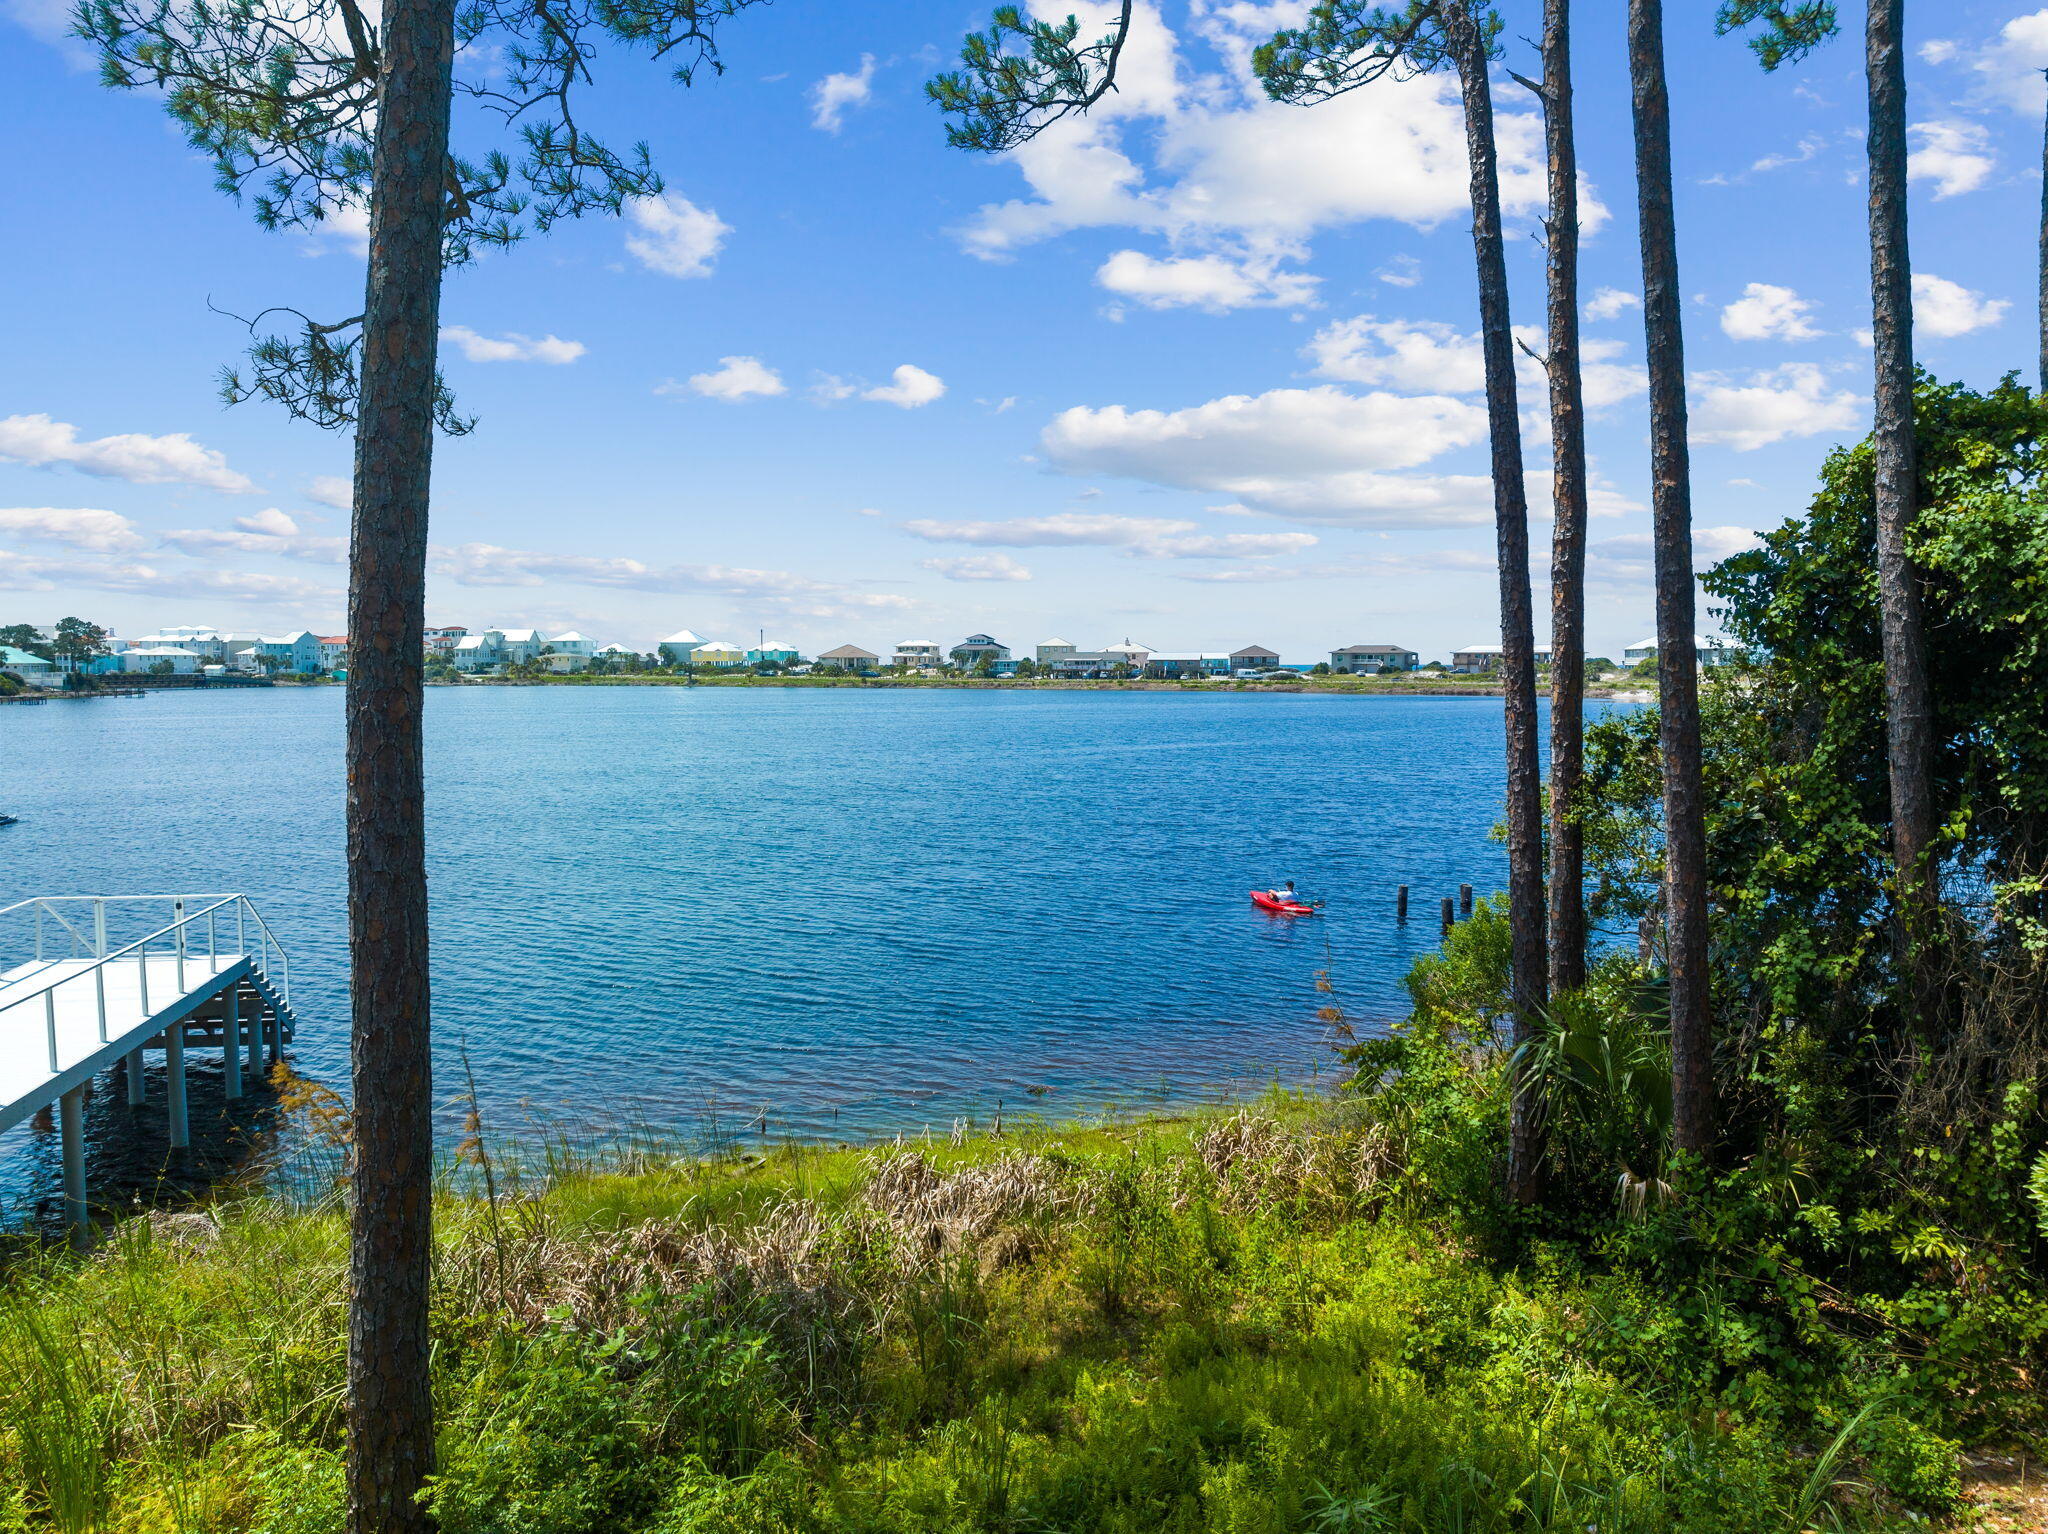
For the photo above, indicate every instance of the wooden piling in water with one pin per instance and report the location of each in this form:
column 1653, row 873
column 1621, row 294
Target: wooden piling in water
column 1401, row 902
column 1464, row 900
column 1450, row 916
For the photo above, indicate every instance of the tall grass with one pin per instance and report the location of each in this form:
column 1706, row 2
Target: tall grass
column 1208, row 1324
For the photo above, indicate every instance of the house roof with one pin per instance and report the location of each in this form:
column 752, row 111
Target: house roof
column 848, row 652
column 775, row 644
column 9, row 656
column 616, row 649
column 1380, row 649
column 683, row 636
column 917, row 644
column 720, row 644
column 1253, row 649
column 332, row 638
column 474, row 642
column 165, row 649
column 1699, row 641
column 1047, row 644
column 571, row 637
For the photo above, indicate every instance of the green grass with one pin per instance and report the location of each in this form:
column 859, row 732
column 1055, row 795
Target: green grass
column 1224, row 1323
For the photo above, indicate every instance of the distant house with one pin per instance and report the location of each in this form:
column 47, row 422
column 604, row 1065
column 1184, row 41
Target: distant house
column 851, row 657
column 1254, row 657
column 333, row 651
column 1486, row 657
column 1369, row 659
column 28, row 665
column 1710, row 652
column 442, row 638
column 775, row 651
column 678, row 647
column 478, row 652
column 1054, row 650
column 1126, row 654
column 718, row 653
column 519, row 645
column 918, row 655
column 146, row 658
column 976, row 648
column 573, row 643
column 617, row 654
column 565, row 660
column 296, row 651
column 1181, row 665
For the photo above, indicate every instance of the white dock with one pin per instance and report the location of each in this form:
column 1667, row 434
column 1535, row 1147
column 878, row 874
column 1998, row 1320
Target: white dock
column 205, row 970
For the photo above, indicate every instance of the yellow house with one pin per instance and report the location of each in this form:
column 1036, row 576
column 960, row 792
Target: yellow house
column 718, row 653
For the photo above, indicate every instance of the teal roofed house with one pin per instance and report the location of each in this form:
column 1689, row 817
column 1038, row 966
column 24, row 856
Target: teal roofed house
column 28, row 665
column 773, row 651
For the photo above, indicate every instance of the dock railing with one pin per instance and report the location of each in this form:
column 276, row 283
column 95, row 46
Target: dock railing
column 78, row 923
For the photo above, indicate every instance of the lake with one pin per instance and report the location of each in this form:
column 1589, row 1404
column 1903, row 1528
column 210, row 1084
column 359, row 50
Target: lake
column 860, row 912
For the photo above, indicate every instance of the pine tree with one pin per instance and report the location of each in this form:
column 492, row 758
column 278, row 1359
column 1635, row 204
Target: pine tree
column 316, row 108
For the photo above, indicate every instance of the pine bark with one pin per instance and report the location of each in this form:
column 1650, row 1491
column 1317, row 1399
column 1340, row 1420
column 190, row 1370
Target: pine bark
column 1568, row 496
column 1526, row 915
column 1909, row 713
column 390, row 1407
column 1685, row 882
column 2043, row 309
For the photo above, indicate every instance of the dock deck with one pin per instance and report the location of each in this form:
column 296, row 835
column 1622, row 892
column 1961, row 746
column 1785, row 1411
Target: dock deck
column 210, row 974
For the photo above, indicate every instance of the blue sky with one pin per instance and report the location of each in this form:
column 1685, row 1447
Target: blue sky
column 1197, row 371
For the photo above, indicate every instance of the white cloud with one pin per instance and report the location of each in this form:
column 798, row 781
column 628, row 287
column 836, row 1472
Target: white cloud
column 1944, row 308
column 1938, row 50
column 1767, row 312
column 1215, row 283
column 103, row 532
column 269, row 531
column 1630, row 560
column 18, row 573
column 336, row 490
column 1316, row 454
column 1423, row 355
column 833, row 96
column 346, row 229
column 143, row 460
column 1430, row 357
column 1955, row 156
column 1401, row 272
column 736, row 378
column 1139, row 537
column 1809, row 146
column 677, row 238
column 978, row 567
column 1791, row 401
column 791, row 595
column 1229, row 170
column 1609, row 302
column 2008, row 68
column 512, row 347
column 913, row 387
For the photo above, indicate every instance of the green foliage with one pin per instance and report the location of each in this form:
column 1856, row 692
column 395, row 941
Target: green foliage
column 1346, row 44
column 1786, row 30
column 1019, row 76
column 281, row 97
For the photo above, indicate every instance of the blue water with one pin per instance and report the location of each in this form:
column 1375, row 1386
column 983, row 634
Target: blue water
column 864, row 912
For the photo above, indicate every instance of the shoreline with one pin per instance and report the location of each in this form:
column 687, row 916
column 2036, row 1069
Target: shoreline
column 1348, row 688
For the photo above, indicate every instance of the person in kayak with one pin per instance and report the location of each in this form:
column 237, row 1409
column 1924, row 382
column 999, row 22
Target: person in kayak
column 1287, row 894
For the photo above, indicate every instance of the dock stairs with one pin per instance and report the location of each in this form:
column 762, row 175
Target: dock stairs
column 113, row 977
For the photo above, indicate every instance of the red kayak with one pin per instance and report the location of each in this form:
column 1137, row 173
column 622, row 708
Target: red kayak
column 1266, row 900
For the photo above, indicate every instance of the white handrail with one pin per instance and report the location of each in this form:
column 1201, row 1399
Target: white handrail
column 25, row 990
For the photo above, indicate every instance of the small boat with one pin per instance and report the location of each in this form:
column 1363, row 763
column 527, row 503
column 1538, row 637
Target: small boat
column 1266, row 900
column 10, row 820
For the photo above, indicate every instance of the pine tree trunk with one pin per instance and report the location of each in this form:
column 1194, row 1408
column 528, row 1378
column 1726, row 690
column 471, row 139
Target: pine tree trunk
column 1568, row 495
column 2043, row 310
column 1518, row 643
column 390, row 1408
column 1685, row 882
column 1909, row 721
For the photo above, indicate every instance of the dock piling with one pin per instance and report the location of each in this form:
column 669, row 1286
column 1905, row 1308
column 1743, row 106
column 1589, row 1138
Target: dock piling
column 1450, row 916
column 71, row 1128
column 1401, row 903
column 131, row 1067
column 231, row 1041
column 174, row 1071
column 1464, row 900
